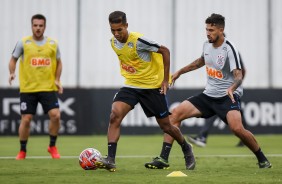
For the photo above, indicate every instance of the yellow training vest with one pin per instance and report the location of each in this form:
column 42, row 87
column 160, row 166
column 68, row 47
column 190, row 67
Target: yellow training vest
column 38, row 66
column 137, row 72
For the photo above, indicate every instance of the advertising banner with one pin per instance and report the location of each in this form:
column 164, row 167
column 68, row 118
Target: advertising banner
column 87, row 111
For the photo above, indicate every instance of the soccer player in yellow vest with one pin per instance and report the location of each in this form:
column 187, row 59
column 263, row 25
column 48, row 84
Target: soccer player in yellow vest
column 39, row 75
column 145, row 66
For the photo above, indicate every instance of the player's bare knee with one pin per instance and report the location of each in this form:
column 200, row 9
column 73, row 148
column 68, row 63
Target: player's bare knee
column 176, row 117
column 175, row 122
column 114, row 117
column 55, row 117
column 238, row 131
column 167, row 129
column 174, row 113
column 26, row 118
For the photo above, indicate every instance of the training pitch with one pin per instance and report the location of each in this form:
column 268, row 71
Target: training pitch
column 220, row 162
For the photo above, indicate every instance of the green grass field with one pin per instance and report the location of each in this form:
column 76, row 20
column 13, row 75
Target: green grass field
column 219, row 162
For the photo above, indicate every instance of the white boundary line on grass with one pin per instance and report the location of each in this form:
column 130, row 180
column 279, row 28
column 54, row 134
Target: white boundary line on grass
column 139, row 156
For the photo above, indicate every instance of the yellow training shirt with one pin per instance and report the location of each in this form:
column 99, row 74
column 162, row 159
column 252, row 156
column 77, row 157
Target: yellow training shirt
column 137, row 72
column 38, row 66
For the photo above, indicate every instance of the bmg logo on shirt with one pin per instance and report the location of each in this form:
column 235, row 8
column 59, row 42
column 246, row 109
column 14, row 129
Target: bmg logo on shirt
column 128, row 68
column 214, row 73
column 39, row 62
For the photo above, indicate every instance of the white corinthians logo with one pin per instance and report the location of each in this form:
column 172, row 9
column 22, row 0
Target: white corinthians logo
column 23, row 106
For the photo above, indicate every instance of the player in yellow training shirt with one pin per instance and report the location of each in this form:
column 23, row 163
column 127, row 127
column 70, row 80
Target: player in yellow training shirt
column 145, row 66
column 39, row 76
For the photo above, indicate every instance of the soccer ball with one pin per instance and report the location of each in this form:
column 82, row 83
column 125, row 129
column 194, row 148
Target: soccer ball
column 88, row 158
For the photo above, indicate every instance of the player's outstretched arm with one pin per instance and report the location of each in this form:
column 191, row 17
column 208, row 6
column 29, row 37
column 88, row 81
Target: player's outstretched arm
column 198, row 63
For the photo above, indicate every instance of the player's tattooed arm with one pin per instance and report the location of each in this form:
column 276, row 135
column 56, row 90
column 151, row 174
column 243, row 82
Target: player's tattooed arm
column 238, row 79
column 198, row 63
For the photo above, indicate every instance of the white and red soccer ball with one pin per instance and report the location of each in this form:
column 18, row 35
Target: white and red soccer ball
column 88, row 158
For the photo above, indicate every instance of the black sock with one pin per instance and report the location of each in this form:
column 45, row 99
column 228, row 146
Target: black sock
column 23, row 145
column 260, row 156
column 112, row 149
column 52, row 140
column 165, row 150
column 185, row 147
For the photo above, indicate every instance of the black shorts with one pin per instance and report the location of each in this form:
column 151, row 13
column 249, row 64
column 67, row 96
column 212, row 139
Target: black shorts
column 210, row 106
column 29, row 101
column 152, row 102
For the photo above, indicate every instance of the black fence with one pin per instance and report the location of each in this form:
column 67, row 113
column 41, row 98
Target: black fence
column 86, row 112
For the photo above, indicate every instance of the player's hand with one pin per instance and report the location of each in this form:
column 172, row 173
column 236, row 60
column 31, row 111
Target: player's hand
column 59, row 86
column 174, row 76
column 164, row 87
column 11, row 78
column 230, row 94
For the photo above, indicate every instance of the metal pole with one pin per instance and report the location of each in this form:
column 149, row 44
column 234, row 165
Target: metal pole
column 78, row 18
column 173, row 36
column 270, row 42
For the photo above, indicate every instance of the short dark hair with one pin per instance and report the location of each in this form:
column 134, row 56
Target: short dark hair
column 216, row 20
column 38, row 16
column 117, row 17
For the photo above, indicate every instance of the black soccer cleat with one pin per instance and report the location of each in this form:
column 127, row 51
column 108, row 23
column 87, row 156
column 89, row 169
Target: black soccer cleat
column 106, row 163
column 157, row 163
column 265, row 164
column 190, row 159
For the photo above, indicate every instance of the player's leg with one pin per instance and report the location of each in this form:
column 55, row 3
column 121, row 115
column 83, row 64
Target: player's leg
column 235, row 123
column 28, row 105
column 183, row 111
column 54, row 127
column 171, row 130
column 50, row 105
column 234, row 120
column 24, row 131
column 240, row 143
column 196, row 106
column 124, row 101
column 118, row 112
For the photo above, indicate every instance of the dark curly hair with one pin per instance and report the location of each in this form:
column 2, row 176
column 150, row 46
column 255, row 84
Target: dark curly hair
column 216, row 20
